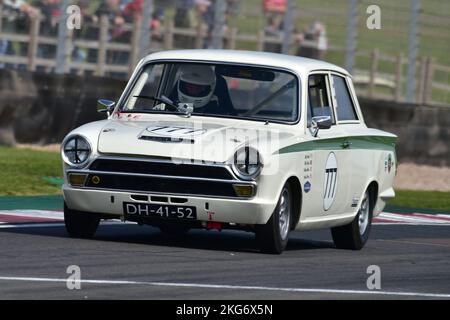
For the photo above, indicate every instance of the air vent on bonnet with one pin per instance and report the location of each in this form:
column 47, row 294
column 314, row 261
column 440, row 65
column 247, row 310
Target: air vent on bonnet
column 167, row 139
column 170, row 134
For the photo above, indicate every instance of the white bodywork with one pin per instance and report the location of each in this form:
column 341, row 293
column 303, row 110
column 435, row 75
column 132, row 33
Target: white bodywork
column 330, row 176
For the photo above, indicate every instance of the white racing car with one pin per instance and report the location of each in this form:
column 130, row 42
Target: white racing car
column 220, row 139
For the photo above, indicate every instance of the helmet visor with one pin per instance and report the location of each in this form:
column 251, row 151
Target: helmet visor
column 194, row 90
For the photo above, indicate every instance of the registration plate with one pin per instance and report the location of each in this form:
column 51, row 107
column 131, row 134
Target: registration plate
column 161, row 211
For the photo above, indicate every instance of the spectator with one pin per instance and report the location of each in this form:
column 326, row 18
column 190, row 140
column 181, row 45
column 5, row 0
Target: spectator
column 206, row 11
column 274, row 11
column 275, row 6
column 50, row 14
column 274, row 30
column 206, row 14
column 315, row 42
column 184, row 19
column 133, row 10
column 111, row 9
column 17, row 21
column 183, row 13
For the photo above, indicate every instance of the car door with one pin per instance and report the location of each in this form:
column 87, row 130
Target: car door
column 328, row 156
column 352, row 128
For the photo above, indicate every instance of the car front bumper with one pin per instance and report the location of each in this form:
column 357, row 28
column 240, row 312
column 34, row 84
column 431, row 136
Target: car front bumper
column 236, row 211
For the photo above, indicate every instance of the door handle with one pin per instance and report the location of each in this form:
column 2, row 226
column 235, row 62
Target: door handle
column 346, row 144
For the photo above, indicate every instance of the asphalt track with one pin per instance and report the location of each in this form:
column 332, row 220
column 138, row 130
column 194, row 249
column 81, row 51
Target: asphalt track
column 126, row 261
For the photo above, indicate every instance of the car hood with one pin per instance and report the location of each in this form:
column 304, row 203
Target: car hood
column 214, row 141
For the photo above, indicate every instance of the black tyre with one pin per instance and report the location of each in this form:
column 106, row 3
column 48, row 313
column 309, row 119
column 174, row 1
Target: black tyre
column 80, row 224
column 274, row 235
column 355, row 234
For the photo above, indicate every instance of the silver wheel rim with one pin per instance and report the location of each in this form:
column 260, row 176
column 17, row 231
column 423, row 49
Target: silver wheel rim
column 284, row 212
column 363, row 220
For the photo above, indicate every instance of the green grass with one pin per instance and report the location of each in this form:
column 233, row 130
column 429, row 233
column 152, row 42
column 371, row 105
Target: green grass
column 23, row 171
column 422, row 200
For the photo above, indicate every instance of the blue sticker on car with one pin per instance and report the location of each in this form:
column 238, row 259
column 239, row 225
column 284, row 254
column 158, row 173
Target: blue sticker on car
column 307, row 187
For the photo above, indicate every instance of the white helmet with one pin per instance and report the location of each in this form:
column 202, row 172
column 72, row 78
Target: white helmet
column 196, row 85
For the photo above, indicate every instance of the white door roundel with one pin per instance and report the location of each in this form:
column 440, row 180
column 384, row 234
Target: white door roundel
column 331, row 179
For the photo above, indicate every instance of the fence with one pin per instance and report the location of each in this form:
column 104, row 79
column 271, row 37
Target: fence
column 382, row 84
column 377, row 74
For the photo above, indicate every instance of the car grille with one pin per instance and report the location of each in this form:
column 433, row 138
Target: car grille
column 161, row 168
column 161, row 177
column 160, row 185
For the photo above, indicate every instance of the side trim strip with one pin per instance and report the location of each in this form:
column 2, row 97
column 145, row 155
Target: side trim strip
column 358, row 142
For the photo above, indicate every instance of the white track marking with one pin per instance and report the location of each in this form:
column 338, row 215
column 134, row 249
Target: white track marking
column 57, row 215
column 55, row 224
column 31, row 225
column 232, row 287
column 425, row 219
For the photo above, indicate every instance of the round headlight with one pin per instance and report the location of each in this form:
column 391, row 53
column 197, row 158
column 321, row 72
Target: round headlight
column 76, row 151
column 247, row 163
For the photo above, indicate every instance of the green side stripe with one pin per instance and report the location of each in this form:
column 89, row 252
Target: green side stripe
column 358, row 142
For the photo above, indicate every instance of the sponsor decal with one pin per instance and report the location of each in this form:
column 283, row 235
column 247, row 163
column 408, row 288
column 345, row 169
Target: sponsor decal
column 308, row 166
column 127, row 117
column 307, row 187
column 388, row 163
column 330, row 181
column 173, row 131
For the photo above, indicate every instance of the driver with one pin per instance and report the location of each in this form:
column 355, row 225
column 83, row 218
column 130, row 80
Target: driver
column 196, row 85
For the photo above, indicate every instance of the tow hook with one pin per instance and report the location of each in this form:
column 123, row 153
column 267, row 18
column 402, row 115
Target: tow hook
column 214, row 226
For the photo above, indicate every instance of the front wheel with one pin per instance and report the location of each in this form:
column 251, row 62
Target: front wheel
column 80, row 224
column 274, row 235
column 355, row 234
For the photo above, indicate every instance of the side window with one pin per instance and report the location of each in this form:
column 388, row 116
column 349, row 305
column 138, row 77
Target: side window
column 344, row 105
column 318, row 98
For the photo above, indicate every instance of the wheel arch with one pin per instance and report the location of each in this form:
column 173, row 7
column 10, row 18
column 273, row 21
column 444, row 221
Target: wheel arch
column 373, row 189
column 297, row 198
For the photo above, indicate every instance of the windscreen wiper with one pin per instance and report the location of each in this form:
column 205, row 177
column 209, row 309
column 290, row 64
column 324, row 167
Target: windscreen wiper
column 162, row 99
column 185, row 110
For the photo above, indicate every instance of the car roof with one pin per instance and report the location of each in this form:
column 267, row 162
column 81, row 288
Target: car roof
column 299, row 64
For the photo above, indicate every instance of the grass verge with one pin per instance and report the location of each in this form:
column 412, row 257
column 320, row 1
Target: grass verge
column 422, row 200
column 23, row 172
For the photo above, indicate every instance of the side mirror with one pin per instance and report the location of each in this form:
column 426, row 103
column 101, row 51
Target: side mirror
column 105, row 106
column 318, row 123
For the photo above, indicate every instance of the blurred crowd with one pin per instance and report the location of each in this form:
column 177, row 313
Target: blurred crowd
column 188, row 14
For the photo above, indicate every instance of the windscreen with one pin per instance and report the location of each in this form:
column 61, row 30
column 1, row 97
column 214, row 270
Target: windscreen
column 216, row 90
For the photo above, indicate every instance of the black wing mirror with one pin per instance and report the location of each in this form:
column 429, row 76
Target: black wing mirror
column 105, row 106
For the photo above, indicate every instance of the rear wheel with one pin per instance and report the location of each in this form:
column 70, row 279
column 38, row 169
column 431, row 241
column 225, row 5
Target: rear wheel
column 80, row 224
column 274, row 235
column 355, row 234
